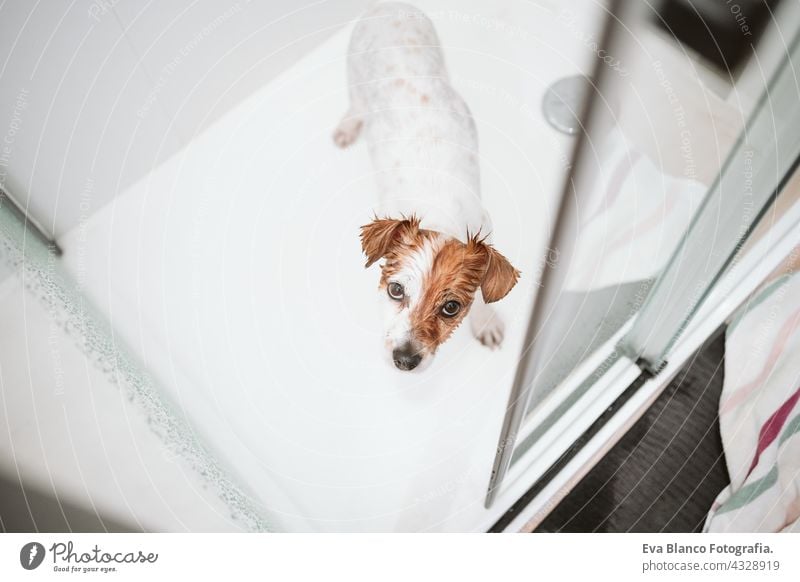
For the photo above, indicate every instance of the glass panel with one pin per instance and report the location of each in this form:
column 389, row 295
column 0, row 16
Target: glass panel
column 662, row 120
column 752, row 178
column 662, row 123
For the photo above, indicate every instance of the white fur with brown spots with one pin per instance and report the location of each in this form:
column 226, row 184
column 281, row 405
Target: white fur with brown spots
column 424, row 150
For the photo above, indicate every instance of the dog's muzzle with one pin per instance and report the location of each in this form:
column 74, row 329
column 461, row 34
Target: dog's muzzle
column 406, row 357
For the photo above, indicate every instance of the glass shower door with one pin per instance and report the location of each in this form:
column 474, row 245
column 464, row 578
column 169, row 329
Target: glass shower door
column 676, row 164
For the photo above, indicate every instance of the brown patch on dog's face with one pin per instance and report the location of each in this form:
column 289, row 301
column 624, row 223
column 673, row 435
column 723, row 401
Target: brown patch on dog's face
column 430, row 281
column 456, row 274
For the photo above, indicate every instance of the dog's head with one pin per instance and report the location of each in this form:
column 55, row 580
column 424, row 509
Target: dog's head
column 429, row 281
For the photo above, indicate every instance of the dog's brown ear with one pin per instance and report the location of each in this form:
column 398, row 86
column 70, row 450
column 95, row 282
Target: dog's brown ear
column 500, row 277
column 378, row 236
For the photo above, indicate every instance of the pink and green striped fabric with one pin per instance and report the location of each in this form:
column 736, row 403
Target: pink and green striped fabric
column 760, row 414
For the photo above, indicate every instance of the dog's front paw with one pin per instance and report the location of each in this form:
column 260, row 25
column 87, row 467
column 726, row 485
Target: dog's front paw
column 347, row 131
column 487, row 327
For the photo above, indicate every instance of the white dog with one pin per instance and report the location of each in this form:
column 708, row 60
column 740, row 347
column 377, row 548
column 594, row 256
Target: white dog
column 433, row 233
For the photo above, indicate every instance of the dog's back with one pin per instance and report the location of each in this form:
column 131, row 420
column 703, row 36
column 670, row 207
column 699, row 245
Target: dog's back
column 419, row 130
column 394, row 41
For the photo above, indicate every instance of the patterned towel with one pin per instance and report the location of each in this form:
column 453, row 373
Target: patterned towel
column 760, row 415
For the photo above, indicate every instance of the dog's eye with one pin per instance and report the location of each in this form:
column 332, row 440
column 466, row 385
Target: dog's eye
column 451, row 308
column 396, row 291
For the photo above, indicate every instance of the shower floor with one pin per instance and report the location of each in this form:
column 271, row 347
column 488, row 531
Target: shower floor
column 234, row 272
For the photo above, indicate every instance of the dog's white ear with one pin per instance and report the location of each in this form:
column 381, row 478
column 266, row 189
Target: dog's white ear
column 500, row 277
column 378, row 236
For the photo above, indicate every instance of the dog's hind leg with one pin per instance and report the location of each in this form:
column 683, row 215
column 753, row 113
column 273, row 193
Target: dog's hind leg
column 487, row 326
column 348, row 129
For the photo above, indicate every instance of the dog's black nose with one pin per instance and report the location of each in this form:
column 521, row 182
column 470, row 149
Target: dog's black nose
column 406, row 358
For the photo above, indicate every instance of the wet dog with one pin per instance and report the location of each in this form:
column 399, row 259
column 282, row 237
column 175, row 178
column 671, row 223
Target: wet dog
column 433, row 232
